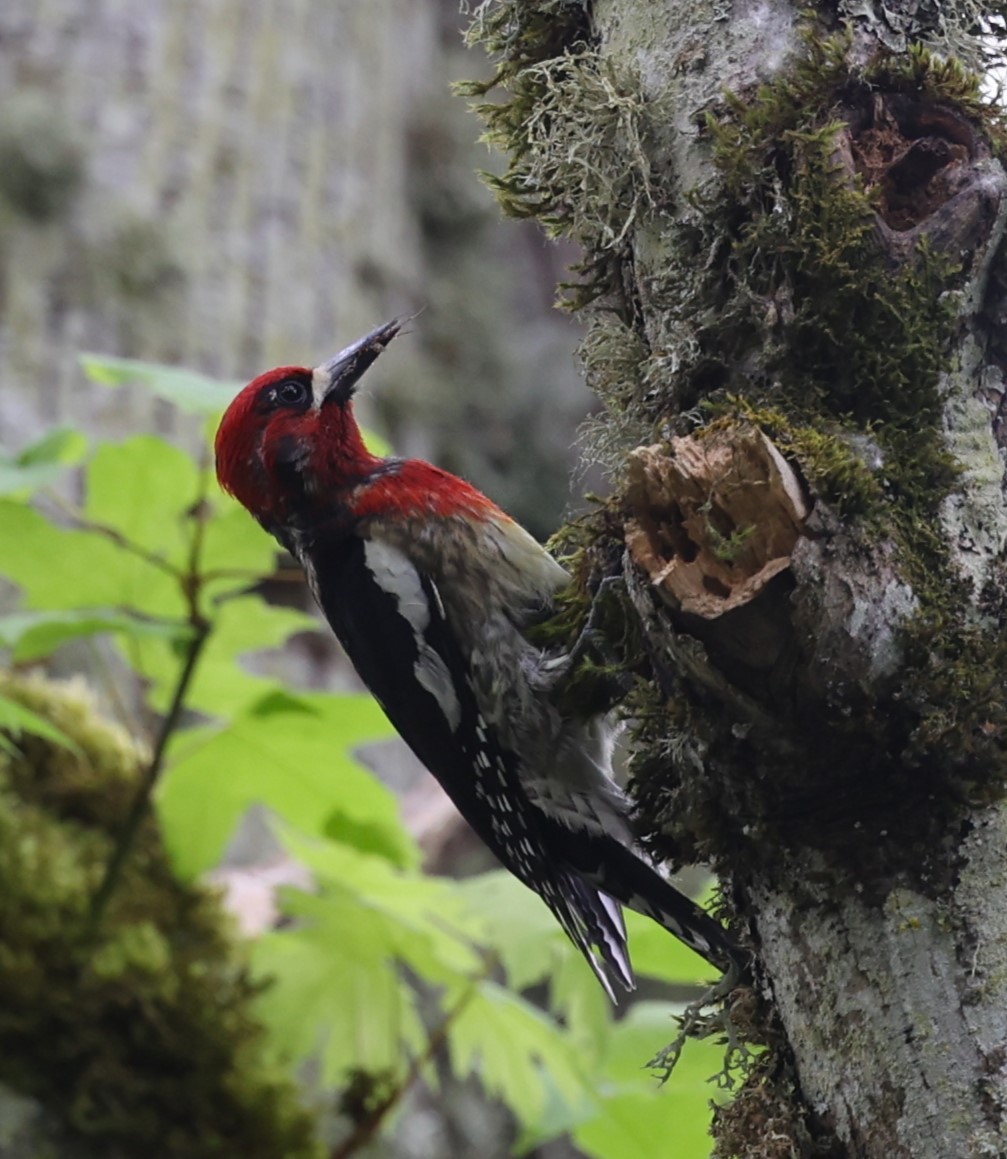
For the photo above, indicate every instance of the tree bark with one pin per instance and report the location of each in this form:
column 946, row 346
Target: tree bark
column 794, row 297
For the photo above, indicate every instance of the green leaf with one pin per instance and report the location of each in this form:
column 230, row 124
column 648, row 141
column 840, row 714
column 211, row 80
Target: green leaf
column 296, row 761
column 141, row 490
column 242, row 626
column 533, row 949
column 234, row 542
column 39, row 557
column 41, row 462
column 519, row 925
column 376, row 444
column 63, row 445
column 145, row 489
column 637, row 1115
column 191, row 392
column 221, row 686
column 337, row 992
column 430, row 927
column 576, row 997
column 517, row 1053
column 33, row 635
column 15, row 719
column 647, row 1126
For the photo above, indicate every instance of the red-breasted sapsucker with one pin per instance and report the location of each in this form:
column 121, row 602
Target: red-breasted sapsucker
column 430, row 589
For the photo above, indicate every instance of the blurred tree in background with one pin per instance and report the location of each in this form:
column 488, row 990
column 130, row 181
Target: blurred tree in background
column 227, row 186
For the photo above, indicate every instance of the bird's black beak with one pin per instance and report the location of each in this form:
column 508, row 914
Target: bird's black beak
column 336, row 380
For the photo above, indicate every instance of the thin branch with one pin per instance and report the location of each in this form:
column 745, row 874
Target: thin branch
column 368, row 1127
column 110, row 533
column 190, row 582
column 138, row 810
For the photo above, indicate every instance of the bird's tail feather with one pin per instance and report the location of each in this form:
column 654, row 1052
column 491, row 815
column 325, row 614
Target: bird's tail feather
column 593, row 921
column 632, row 881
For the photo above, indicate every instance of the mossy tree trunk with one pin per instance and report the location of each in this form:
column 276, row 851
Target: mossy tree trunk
column 795, row 294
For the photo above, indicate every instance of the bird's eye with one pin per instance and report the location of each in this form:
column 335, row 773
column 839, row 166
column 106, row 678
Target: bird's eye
column 292, row 393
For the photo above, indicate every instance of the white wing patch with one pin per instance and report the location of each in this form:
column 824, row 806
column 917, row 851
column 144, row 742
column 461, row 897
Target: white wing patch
column 394, row 573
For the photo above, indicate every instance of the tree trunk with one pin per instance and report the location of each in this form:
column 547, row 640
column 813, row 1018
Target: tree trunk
column 794, row 292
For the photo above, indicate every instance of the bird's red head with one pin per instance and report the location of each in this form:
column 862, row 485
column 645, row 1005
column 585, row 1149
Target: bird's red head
column 289, row 438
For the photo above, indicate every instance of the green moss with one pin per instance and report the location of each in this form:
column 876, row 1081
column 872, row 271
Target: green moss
column 141, row 1039
column 844, row 337
column 974, row 31
column 534, row 48
column 838, row 466
column 614, row 357
column 520, row 33
column 771, row 301
column 806, row 328
column 942, row 78
column 41, row 164
column 851, row 369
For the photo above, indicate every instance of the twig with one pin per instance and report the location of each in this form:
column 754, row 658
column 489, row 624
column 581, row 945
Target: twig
column 369, row 1126
column 127, row 837
column 114, row 536
column 190, row 582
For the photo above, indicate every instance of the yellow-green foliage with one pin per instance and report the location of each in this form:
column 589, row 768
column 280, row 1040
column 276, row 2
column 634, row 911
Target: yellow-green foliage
column 139, row 1038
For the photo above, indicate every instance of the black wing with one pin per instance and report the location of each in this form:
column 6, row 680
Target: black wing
column 390, row 638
